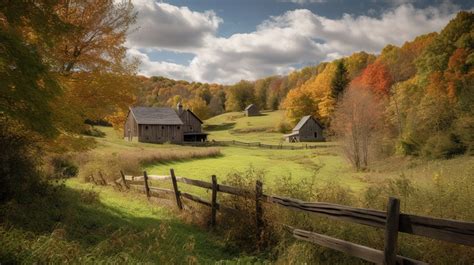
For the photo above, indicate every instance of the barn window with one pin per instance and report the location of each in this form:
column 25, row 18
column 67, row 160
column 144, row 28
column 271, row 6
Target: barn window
column 146, row 127
column 315, row 134
column 178, row 127
column 190, row 127
column 162, row 127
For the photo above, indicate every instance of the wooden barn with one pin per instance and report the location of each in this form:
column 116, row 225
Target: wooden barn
column 251, row 110
column 308, row 129
column 192, row 128
column 161, row 125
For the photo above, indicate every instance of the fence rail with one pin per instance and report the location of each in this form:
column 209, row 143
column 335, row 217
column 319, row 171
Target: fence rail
column 255, row 144
column 392, row 221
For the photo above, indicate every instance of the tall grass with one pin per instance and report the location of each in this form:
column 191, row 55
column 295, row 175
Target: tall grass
column 132, row 162
column 441, row 197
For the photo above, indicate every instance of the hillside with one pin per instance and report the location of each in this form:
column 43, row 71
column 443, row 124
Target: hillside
column 91, row 224
column 236, row 126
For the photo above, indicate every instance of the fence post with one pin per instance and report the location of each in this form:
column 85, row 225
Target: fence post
column 176, row 191
column 391, row 231
column 124, row 180
column 258, row 210
column 214, row 200
column 147, row 188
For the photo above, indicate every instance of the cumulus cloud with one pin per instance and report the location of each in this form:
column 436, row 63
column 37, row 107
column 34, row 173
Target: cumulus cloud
column 170, row 27
column 160, row 68
column 294, row 38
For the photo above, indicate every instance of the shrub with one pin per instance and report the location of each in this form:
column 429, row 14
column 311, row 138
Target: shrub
column 91, row 131
column 63, row 167
column 19, row 161
column 283, row 127
column 442, row 145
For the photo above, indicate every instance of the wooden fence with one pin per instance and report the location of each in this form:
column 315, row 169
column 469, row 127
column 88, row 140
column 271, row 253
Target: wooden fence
column 392, row 221
column 255, row 144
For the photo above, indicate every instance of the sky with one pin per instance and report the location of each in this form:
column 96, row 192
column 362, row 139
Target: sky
column 225, row 41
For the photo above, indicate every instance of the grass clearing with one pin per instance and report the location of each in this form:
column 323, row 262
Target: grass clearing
column 236, row 126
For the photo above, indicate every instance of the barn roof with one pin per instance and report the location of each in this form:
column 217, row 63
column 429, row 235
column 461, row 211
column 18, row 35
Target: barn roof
column 151, row 115
column 250, row 106
column 303, row 121
column 195, row 116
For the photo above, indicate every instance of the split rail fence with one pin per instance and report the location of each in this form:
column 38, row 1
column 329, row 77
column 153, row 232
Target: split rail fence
column 392, row 220
column 254, row 144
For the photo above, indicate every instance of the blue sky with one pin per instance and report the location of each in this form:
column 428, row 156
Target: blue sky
column 225, row 41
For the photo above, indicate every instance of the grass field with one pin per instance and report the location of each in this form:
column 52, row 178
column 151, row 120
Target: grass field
column 321, row 165
column 94, row 224
column 235, row 126
column 90, row 224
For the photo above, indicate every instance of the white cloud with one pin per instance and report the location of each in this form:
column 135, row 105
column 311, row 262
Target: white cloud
column 170, row 27
column 294, row 38
column 154, row 68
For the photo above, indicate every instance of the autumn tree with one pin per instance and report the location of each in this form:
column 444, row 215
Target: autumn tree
column 27, row 84
column 96, row 77
column 375, row 77
column 299, row 103
column 357, row 62
column 356, row 121
column 239, row 96
column 199, row 107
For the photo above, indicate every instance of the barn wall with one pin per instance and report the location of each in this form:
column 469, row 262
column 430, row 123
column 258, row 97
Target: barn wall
column 160, row 133
column 191, row 123
column 131, row 127
column 307, row 131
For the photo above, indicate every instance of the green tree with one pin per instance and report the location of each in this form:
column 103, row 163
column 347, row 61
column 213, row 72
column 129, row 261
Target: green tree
column 239, row 96
column 340, row 80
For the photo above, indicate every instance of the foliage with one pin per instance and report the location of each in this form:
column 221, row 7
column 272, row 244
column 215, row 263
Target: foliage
column 357, row 120
column 26, row 83
column 239, row 96
column 375, row 77
column 20, row 160
column 63, row 167
column 340, row 80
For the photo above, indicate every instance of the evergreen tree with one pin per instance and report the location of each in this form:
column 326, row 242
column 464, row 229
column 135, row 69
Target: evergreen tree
column 340, row 80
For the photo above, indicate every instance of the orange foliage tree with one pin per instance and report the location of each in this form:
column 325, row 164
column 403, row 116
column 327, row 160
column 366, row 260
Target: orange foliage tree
column 375, row 77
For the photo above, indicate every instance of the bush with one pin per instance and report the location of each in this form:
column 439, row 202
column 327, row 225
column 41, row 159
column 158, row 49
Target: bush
column 19, row 160
column 443, row 145
column 283, row 127
column 239, row 227
column 91, row 131
column 63, row 167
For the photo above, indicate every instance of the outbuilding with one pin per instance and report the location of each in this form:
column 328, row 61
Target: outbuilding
column 308, row 129
column 251, row 110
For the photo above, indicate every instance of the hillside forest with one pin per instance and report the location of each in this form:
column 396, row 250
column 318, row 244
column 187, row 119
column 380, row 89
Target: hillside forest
column 422, row 91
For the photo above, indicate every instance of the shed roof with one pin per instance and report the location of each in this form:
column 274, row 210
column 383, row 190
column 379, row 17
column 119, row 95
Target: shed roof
column 250, row 106
column 152, row 115
column 304, row 120
column 291, row 134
